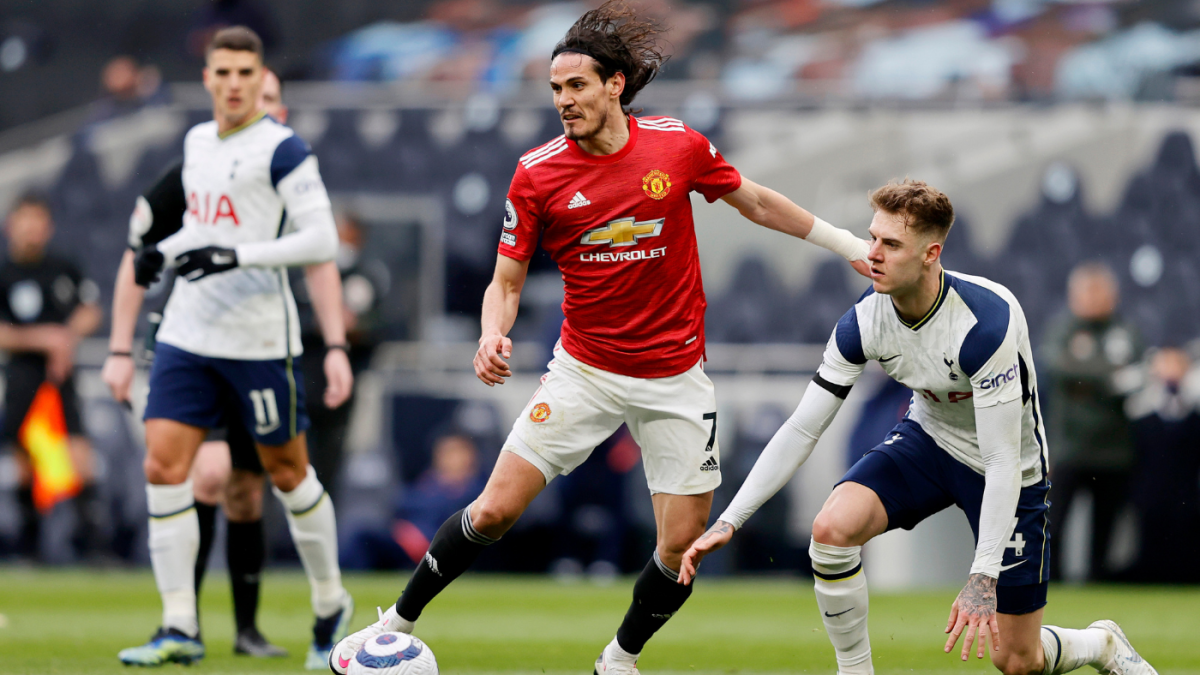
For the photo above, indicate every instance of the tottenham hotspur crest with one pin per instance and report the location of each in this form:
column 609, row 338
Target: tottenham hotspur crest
column 950, row 364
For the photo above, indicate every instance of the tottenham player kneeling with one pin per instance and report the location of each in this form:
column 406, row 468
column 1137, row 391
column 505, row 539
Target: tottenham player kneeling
column 973, row 438
column 230, row 331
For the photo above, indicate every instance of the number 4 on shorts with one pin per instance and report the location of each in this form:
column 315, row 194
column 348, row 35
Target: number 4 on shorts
column 712, row 436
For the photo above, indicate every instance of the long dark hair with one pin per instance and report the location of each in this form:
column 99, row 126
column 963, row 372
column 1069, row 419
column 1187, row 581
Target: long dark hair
column 621, row 42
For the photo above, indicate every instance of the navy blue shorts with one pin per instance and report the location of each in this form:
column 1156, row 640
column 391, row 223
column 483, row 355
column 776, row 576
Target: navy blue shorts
column 915, row 479
column 198, row 390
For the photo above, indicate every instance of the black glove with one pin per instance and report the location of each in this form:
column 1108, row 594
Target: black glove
column 147, row 266
column 201, row 262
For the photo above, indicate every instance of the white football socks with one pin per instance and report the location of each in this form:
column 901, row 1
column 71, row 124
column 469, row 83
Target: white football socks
column 841, row 587
column 314, row 531
column 174, row 543
column 1067, row 649
column 616, row 655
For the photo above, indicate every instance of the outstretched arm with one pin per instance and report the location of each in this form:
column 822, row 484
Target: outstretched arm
column 784, row 454
column 500, row 304
column 772, row 210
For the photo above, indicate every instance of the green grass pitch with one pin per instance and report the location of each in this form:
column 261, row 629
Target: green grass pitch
column 76, row 621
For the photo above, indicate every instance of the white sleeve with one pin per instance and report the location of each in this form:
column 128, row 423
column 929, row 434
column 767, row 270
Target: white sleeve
column 841, row 242
column 313, row 238
column 991, row 359
column 795, row 440
column 788, row 449
column 999, row 430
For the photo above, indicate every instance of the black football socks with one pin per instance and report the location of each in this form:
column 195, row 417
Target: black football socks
column 454, row 549
column 245, row 552
column 657, row 595
column 207, row 515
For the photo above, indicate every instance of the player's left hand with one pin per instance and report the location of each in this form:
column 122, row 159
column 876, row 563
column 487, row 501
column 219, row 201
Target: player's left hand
column 201, row 262
column 975, row 610
column 339, row 379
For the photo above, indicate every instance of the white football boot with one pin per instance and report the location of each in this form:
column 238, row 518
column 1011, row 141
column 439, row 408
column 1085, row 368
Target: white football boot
column 606, row 666
column 1120, row 658
column 343, row 652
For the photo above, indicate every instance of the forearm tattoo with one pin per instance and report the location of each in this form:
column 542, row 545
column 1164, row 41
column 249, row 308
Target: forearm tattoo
column 978, row 597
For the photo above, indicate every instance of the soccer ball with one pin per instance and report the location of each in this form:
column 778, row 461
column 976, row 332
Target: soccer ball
column 393, row 654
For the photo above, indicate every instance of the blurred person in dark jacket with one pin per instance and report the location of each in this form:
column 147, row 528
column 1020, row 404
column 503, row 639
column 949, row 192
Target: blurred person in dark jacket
column 1091, row 440
column 1166, row 487
column 450, row 484
column 46, row 307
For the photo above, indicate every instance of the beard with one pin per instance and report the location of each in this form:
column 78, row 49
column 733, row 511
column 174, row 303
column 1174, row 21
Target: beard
column 585, row 134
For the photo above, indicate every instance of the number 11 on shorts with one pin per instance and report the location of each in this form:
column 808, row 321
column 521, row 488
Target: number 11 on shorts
column 266, row 410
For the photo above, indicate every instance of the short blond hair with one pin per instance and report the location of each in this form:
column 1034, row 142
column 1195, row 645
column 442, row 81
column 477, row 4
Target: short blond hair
column 922, row 207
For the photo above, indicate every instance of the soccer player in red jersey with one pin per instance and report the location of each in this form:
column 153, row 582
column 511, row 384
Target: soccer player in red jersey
column 610, row 201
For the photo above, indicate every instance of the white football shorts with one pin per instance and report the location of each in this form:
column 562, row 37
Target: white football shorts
column 673, row 420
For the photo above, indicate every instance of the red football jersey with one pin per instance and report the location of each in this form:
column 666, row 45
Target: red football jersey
column 620, row 228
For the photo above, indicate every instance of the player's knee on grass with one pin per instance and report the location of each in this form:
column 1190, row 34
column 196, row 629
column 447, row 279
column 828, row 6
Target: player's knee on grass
column 1012, row 662
column 243, row 496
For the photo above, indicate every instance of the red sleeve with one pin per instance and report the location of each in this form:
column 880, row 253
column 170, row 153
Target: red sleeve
column 712, row 176
column 522, row 224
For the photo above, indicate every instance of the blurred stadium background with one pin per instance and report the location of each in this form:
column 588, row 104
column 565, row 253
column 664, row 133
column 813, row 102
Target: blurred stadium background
column 1063, row 131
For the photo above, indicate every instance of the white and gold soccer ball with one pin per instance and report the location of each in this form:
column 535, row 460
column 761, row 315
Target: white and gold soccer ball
column 393, row 654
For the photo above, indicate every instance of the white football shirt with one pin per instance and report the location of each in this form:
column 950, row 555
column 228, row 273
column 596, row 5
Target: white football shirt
column 245, row 186
column 970, row 351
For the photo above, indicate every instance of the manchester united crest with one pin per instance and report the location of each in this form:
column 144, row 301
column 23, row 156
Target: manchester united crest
column 656, row 184
column 540, row 413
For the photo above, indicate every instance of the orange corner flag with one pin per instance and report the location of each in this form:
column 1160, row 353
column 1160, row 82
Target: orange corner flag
column 44, row 436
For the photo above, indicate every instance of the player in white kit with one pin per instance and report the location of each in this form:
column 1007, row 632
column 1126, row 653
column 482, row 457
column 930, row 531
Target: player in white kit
column 973, row 438
column 256, row 205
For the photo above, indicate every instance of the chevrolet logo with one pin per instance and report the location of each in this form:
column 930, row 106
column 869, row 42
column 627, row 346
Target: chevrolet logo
column 623, row 232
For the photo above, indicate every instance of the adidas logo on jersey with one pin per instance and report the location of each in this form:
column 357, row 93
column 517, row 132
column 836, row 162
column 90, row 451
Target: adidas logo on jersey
column 710, row 464
column 578, row 200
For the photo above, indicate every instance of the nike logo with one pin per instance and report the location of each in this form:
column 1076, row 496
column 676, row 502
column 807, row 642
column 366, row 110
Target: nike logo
column 890, row 358
column 1005, row 568
column 839, row 613
column 222, row 259
column 343, row 662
